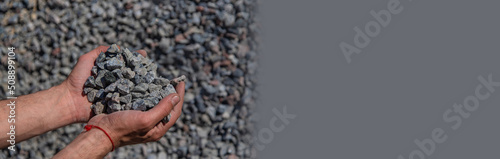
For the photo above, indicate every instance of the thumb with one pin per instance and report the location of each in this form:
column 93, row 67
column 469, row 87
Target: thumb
column 163, row 108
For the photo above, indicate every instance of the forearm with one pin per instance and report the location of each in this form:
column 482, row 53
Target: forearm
column 35, row 114
column 91, row 144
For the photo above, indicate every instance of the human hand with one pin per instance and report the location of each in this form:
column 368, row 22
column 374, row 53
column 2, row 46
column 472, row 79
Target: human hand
column 123, row 127
column 74, row 96
column 133, row 126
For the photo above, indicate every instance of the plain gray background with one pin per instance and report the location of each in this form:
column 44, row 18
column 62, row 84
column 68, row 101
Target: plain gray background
column 395, row 91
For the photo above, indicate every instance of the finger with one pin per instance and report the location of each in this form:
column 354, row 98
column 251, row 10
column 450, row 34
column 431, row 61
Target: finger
column 161, row 110
column 153, row 134
column 142, row 52
column 181, row 88
column 174, row 115
column 160, row 130
column 163, row 127
column 177, row 111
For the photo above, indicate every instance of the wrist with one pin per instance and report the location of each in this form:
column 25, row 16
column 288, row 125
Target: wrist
column 89, row 144
column 99, row 139
column 104, row 124
column 66, row 102
column 79, row 110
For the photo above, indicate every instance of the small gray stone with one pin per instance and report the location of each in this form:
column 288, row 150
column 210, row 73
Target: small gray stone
column 91, row 96
column 99, row 79
column 155, row 94
column 128, row 57
column 149, row 77
column 142, row 88
column 100, row 59
column 229, row 19
column 177, row 80
column 132, row 59
column 154, row 87
column 114, row 63
column 162, row 155
column 109, row 78
column 169, row 89
column 86, row 90
column 111, row 87
column 151, row 156
column 149, row 104
column 139, row 105
column 145, row 61
column 129, row 83
column 113, row 49
column 154, row 98
column 167, row 118
column 127, row 106
column 137, row 95
column 97, row 108
column 197, row 38
column 140, row 71
column 115, row 97
column 211, row 113
column 164, row 44
column 152, row 68
column 101, row 65
column 108, row 96
column 115, row 107
column 128, row 73
column 94, row 71
column 161, row 81
column 126, row 99
column 139, row 79
column 202, row 132
column 118, row 73
column 100, row 94
column 123, row 89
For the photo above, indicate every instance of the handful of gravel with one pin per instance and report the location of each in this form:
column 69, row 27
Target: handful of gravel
column 125, row 80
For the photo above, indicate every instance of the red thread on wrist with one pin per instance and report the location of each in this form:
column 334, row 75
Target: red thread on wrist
column 88, row 127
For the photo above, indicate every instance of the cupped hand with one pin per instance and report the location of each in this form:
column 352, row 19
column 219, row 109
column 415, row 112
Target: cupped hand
column 73, row 85
column 133, row 126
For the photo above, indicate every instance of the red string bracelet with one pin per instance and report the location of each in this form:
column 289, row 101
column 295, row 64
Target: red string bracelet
column 88, row 127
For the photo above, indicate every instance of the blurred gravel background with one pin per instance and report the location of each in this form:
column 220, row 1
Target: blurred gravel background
column 212, row 42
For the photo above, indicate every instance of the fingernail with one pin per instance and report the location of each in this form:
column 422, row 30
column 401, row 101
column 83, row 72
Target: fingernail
column 175, row 100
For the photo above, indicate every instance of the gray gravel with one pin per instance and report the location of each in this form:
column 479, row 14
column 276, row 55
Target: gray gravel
column 124, row 80
column 214, row 43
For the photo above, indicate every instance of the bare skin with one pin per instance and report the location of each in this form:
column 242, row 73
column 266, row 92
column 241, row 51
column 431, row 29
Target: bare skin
column 65, row 104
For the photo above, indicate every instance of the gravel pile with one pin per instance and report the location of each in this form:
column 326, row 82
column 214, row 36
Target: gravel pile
column 212, row 42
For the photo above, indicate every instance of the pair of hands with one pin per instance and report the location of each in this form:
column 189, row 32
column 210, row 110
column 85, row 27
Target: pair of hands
column 124, row 127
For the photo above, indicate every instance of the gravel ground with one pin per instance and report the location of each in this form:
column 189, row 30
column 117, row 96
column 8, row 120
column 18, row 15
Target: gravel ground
column 213, row 43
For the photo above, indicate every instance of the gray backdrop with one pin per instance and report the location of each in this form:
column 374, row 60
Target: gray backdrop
column 394, row 92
